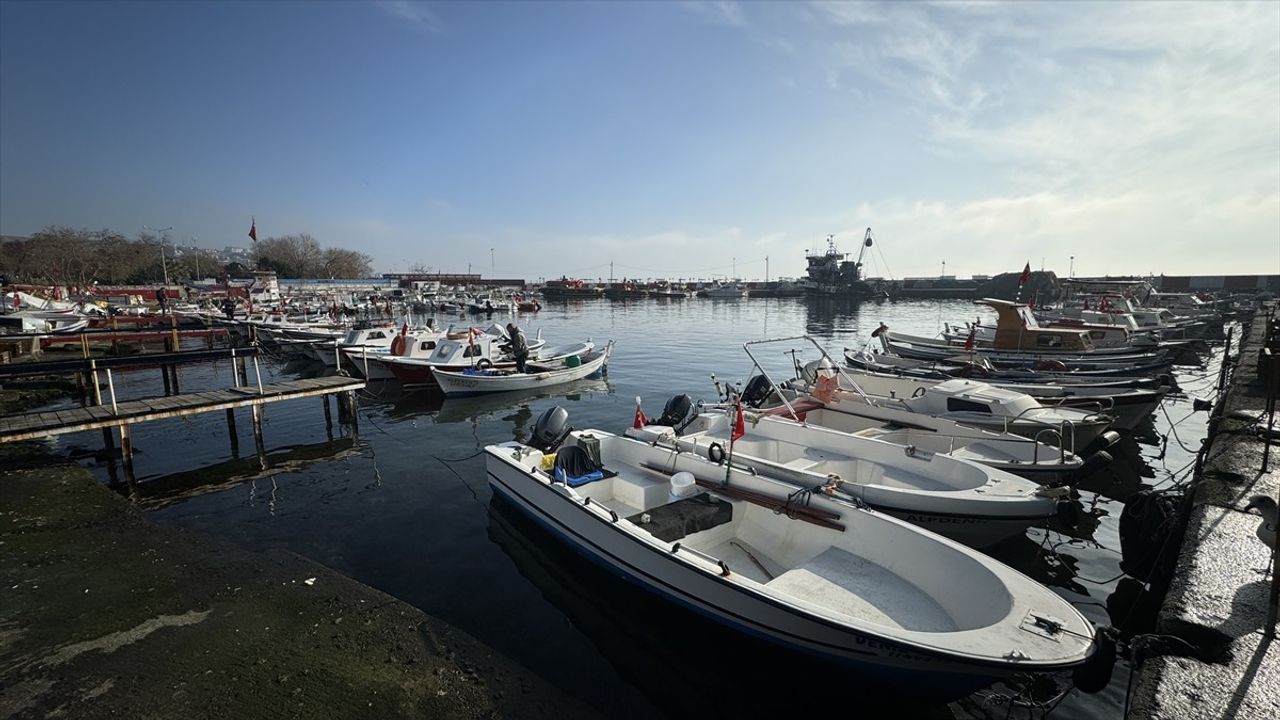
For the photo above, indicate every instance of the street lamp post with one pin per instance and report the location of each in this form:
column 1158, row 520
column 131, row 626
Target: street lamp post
column 164, row 265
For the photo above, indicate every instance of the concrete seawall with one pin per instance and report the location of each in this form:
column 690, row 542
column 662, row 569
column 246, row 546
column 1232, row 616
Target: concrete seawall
column 1218, row 597
column 105, row 615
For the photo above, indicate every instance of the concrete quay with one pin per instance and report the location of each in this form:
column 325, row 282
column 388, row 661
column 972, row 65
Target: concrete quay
column 1218, row 597
column 103, row 615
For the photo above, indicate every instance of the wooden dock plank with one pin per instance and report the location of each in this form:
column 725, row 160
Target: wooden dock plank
column 56, row 422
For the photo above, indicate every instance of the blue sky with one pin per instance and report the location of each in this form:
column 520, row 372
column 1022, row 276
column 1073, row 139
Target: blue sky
column 673, row 139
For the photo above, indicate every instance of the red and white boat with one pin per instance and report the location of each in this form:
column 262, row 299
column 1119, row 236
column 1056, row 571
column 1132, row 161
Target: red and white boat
column 479, row 349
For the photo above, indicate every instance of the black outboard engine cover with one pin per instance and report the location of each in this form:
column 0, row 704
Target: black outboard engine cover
column 551, row 429
column 677, row 413
column 758, row 390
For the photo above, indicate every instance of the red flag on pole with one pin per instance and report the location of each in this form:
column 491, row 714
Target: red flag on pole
column 968, row 342
column 739, row 422
column 1025, row 276
column 640, row 420
column 253, row 229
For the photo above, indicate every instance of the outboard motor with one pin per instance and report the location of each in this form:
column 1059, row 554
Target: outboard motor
column 758, row 390
column 822, row 366
column 551, row 429
column 678, row 413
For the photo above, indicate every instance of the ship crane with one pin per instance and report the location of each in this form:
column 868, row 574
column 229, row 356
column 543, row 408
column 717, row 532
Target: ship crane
column 866, row 243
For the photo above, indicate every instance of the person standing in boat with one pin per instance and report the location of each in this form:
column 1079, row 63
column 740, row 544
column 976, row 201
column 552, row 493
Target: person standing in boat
column 519, row 346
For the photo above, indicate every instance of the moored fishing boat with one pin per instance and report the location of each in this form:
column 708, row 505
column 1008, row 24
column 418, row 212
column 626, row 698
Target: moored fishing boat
column 800, row 570
column 958, row 498
column 540, row 373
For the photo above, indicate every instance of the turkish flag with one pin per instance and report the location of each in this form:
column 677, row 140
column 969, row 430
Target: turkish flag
column 640, row 420
column 253, row 229
column 739, row 423
column 1025, row 276
column 968, row 342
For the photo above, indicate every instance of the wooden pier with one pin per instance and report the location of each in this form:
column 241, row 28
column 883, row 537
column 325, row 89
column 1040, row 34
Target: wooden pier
column 106, row 412
column 31, row 426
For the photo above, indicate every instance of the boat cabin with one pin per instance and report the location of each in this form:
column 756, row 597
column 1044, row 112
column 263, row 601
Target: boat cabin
column 1017, row 329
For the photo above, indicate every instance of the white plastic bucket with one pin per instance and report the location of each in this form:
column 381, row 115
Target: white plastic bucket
column 683, row 485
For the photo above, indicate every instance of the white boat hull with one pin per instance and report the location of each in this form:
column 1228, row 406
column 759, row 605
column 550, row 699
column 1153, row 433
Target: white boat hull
column 729, row 597
column 456, row 384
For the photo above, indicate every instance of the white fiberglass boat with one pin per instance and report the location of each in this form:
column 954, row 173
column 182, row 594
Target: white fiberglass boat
column 538, row 374
column 963, row 500
column 801, row 570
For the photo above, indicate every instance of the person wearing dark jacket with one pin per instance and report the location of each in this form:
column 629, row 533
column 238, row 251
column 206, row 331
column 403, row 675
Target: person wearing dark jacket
column 519, row 346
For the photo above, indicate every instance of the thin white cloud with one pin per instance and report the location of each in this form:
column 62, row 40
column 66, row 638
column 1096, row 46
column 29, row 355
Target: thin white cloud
column 718, row 12
column 416, row 14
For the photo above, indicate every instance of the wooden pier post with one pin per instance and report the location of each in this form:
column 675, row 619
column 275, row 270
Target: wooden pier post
column 231, row 430
column 257, row 434
column 126, row 453
column 328, row 418
column 164, row 375
column 115, row 343
column 82, row 392
column 173, row 369
column 353, row 413
column 93, row 373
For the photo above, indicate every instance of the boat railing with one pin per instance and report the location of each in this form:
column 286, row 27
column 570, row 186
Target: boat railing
column 677, row 548
column 1063, row 427
column 1035, row 450
column 600, row 510
column 834, row 365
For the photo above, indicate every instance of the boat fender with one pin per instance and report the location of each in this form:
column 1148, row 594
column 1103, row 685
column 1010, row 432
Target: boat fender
column 397, row 345
column 484, row 364
column 715, row 453
column 1068, row 513
column 1095, row 674
column 1096, row 462
column 918, row 393
column 1103, row 441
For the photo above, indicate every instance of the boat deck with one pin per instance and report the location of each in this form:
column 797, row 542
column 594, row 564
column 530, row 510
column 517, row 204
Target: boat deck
column 850, row 585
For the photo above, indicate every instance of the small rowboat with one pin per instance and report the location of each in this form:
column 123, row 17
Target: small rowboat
column 539, row 374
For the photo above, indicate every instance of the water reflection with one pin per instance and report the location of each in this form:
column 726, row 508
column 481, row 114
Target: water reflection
column 159, row 492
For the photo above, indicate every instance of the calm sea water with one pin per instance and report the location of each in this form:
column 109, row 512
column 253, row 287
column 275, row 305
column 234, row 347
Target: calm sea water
column 406, row 508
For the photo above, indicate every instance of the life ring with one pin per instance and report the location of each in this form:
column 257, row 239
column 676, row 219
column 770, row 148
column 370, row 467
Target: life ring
column 918, row 393
column 715, row 453
column 484, row 364
column 398, row 345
